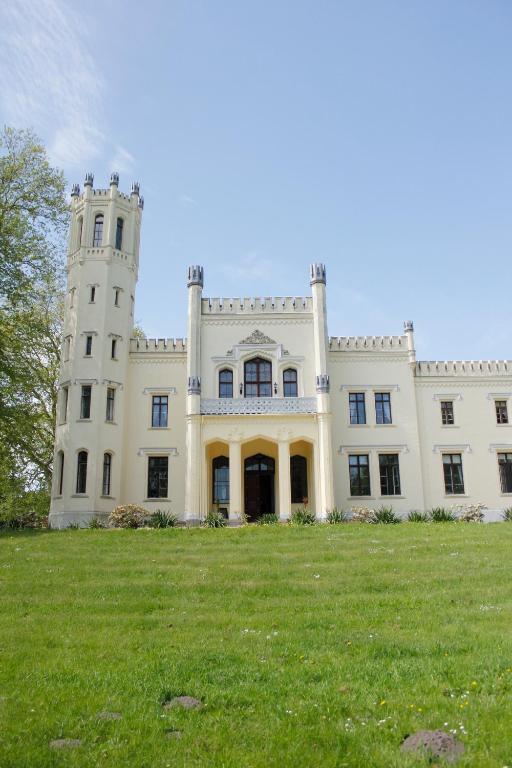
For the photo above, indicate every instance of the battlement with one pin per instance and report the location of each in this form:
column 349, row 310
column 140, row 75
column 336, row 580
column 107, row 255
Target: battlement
column 147, row 346
column 367, row 343
column 425, row 368
column 271, row 305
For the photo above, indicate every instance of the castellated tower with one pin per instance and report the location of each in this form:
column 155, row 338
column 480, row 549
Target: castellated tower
column 102, row 267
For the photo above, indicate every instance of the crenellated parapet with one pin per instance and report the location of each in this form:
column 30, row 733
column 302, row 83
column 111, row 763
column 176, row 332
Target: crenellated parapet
column 475, row 368
column 272, row 305
column 149, row 346
column 367, row 343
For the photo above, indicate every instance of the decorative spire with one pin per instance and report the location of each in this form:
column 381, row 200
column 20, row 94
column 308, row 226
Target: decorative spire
column 89, row 179
column 195, row 276
column 141, row 203
column 135, row 188
column 114, row 179
column 317, row 274
column 75, row 190
column 408, row 326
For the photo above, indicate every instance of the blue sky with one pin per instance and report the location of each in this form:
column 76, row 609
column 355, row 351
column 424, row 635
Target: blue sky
column 373, row 136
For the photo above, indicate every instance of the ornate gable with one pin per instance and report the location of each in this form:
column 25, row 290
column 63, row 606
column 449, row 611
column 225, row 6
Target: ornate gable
column 257, row 337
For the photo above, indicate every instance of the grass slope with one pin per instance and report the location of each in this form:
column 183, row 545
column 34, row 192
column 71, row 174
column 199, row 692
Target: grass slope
column 318, row 646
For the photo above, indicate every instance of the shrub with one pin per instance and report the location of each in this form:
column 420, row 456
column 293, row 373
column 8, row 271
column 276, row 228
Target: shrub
column 21, row 520
column 74, row 527
column 96, row 523
column 363, row 515
column 129, row 516
column 214, row 520
column 386, row 516
column 507, row 515
column 470, row 513
column 160, row 519
column 415, row 516
column 302, row 516
column 268, row 519
column 336, row 516
column 442, row 515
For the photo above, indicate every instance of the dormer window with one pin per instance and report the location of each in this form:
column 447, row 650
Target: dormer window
column 290, row 382
column 258, row 378
column 98, row 231
column 119, row 234
column 226, row 383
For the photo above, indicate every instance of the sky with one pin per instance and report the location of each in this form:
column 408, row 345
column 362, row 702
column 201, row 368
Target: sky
column 372, row 136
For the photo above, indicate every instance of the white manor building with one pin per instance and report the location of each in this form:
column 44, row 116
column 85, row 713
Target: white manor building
column 259, row 408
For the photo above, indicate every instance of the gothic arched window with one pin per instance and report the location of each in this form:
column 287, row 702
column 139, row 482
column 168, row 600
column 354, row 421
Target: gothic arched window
column 258, row 378
column 81, row 472
column 98, row 231
column 290, row 382
column 119, row 234
column 226, row 383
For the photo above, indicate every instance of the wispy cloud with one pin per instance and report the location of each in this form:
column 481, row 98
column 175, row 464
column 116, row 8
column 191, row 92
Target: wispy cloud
column 253, row 265
column 50, row 81
column 187, row 200
column 122, row 160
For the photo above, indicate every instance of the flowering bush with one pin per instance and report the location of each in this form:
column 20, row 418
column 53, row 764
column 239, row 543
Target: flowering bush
column 470, row 513
column 363, row 515
column 129, row 516
column 302, row 516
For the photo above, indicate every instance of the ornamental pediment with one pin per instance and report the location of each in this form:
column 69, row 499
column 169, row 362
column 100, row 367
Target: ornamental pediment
column 257, row 337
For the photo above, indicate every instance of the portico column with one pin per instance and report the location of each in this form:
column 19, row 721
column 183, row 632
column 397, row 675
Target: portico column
column 193, row 433
column 285, row 491
column 235, row 480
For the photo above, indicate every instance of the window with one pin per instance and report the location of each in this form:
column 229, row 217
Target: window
column 111, row 393
column 501, row 411
column 107, row 473
column 98, row 231
column 132, row 305
column 158, row 471
column 299, row 479
column 92, row 297
column 159, row 411
column 64, row 405
column 383, row 408
column 258, row 378
column 119, row 234
column 389, row 474
column 114, row 349
column 447, row 419
column 80, row 229
column 67, row 347
column 88, row 346
column 226, row 383
column 220, row 488
column 85, row 402
column 72, row 298
column 81, row 472
column 357, row 408
column 505, row 467
column 453, row 479
column 290, row 382
column 60, row 472
column 359, row 471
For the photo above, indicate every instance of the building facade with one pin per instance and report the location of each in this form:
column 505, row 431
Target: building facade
column 259, row 409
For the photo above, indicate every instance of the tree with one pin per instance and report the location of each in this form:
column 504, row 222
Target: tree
column 33, row 222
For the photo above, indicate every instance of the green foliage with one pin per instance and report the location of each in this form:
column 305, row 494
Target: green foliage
column 415, row 516
column 129, row 516
column 442, row 515
column 214, row 520
column 96, row 523
column 302, row 516
column 507, row 515
column 160, row 519
column 336, row 516
column 268, row 519
column 74, row 527
column 386, row 516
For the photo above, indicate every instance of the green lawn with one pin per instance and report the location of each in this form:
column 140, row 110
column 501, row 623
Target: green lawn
column 318, row 646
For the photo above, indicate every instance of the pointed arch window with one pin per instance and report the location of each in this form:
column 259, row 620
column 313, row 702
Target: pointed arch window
column 98, row 231
column 290, row 382
column 258, row 378
column 81, row 472
column 119, row 234
column 107, row 474
column 220, row 486
column 226, row 383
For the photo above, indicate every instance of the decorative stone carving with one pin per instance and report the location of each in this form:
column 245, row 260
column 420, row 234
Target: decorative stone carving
column 194, row 385
column 195, row 276
column 135, row 188
column 257, row 405
column 114, row 179
column 322, row 383
column 257, row 337
column 75, row 190
column 89, row 180
column 317, row 274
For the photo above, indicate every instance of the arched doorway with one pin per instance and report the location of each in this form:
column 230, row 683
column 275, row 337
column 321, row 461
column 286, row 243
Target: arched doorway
column 259, row 472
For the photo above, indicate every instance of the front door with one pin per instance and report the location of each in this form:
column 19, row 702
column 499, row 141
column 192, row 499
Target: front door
column 259, row 486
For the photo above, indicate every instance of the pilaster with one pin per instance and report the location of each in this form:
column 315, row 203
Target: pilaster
column 235, row 480
column 284, row 480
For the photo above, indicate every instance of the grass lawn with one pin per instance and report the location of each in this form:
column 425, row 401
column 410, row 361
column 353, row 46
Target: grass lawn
column 318, row 646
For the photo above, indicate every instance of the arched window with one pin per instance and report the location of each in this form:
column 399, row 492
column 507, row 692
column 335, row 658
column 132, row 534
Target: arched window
column 81, row 472
column 299, row 479
column 119, row 234
column 60, row 472
column 258, row 378
column 220, row 485
column 226, row 383
column 290, row 382
column 107, row 474
column 80, row 229
column 98, row 231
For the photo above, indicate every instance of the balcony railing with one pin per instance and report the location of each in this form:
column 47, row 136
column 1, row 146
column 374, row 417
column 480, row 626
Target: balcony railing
column 225, row 406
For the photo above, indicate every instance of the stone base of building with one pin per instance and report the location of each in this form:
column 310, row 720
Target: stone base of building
column 61, row 520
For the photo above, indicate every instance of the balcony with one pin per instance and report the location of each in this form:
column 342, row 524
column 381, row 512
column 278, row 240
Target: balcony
column 250, row 406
